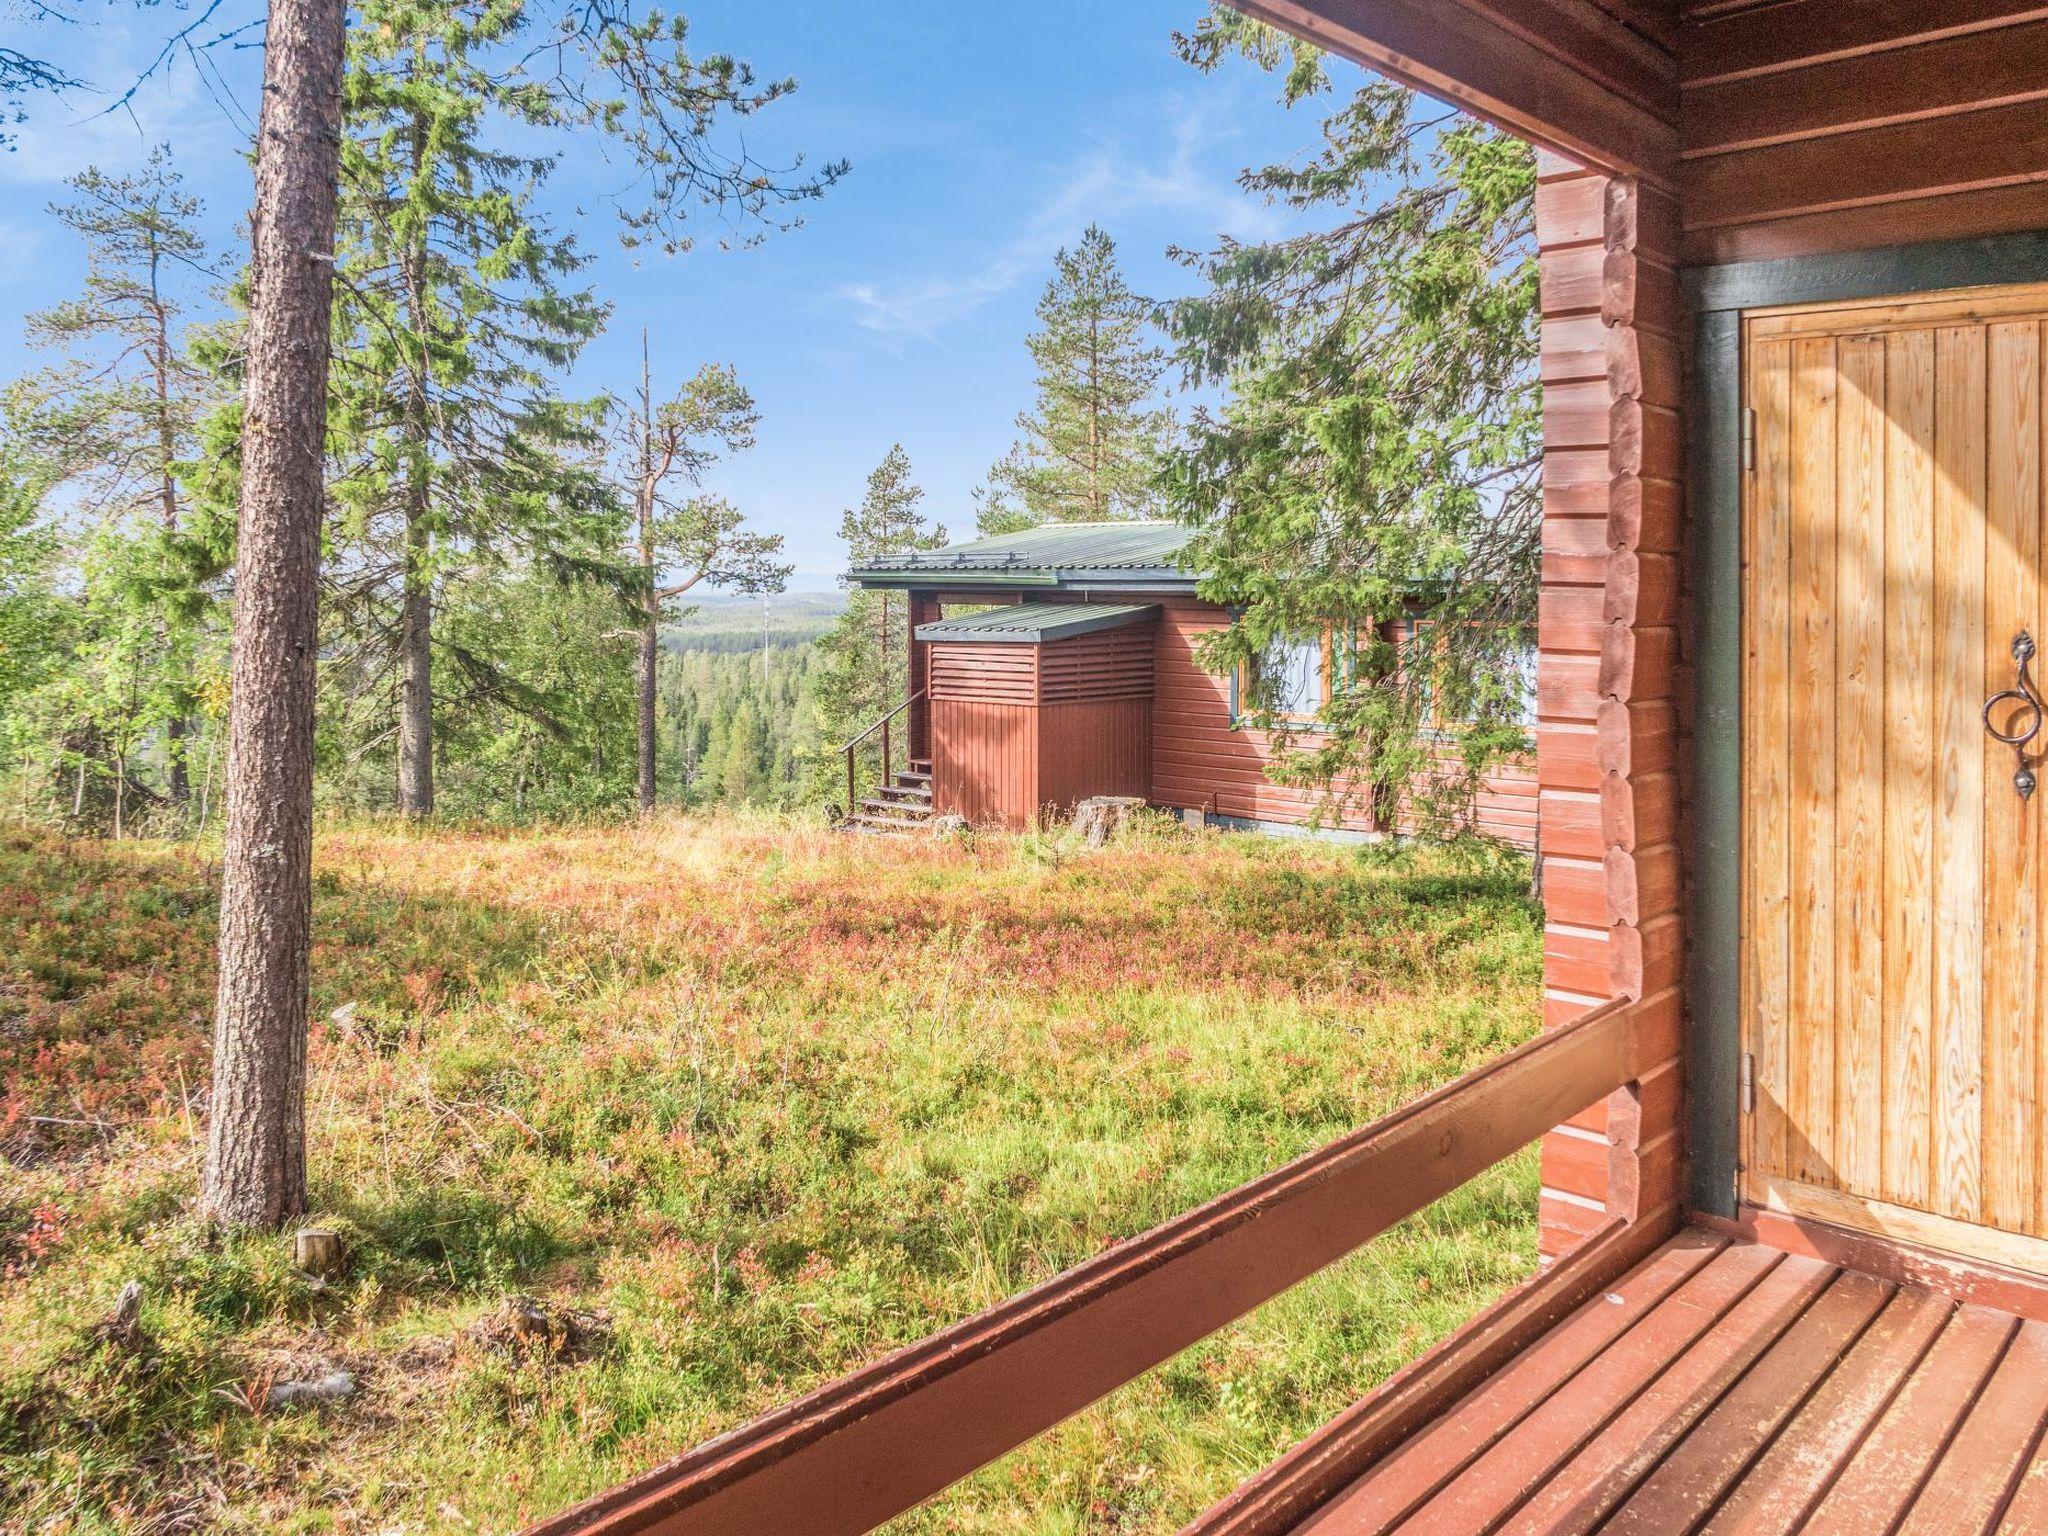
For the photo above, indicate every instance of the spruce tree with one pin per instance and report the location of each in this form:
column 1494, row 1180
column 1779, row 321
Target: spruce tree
column 457, row 312
column 1378, row 451
column 864, row 658
column 1090, row 448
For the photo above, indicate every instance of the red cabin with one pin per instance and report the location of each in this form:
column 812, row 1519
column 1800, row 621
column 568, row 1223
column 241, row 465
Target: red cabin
column 1061, row 663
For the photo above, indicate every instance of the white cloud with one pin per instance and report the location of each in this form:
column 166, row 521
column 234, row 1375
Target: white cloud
column 1104, row 185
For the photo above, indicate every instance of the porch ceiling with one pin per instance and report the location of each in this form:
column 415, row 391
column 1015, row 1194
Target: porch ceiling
column 1777, row 127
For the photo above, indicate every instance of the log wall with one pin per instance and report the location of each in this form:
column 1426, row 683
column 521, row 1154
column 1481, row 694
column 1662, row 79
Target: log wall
column 1609, row 680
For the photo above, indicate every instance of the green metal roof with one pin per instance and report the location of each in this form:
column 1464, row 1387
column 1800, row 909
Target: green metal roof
column 1030, row 623
column 1139, row 554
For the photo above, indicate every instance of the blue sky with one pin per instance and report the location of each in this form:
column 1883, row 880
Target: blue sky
column 982, row 138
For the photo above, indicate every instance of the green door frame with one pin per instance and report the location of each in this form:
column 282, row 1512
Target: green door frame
column 1717, row 297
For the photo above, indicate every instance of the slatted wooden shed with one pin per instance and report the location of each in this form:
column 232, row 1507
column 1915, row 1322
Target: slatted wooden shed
column 1793, row 1087
column 1035, row 706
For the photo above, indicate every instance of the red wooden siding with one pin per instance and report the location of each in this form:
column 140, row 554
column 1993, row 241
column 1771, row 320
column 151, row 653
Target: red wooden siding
column 1607, row 699
column 1813, row 125
column 992, row 673
column 1094, row 747
column 1112, row 663
column 984, row 759
column 1200, row 761
column 1022, row 730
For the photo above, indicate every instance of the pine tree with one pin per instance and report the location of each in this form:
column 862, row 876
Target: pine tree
column 118, row 417
column 680, row 542
column 256, row 1123
column 627, row 76
column 1090, row 449
column 864, row 659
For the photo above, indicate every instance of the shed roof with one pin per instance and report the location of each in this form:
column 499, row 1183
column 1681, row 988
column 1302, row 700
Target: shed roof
column 1031, row 623
column 1140, row 554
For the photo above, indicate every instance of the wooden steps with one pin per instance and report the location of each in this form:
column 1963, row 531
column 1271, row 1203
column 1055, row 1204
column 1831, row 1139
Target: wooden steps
column 898, row 808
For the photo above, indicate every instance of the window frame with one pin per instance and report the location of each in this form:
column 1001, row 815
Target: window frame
column 1244, row 675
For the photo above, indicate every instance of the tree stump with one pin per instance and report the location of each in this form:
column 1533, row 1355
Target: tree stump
column 317, row 1252
column 1102, row 817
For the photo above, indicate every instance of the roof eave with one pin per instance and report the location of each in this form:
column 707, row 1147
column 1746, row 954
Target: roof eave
column 1094, row 579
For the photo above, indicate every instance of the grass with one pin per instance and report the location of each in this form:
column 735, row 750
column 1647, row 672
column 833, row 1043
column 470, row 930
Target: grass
column 739, row 1105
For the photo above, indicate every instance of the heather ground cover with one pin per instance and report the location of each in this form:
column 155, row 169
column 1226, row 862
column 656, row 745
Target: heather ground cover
column 733, row 1104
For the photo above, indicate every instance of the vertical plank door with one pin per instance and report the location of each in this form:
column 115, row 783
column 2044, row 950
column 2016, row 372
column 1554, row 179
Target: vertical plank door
column 1894, row 981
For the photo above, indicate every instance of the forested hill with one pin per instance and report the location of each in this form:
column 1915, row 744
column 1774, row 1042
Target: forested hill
column 724, row 623
column 737, row 685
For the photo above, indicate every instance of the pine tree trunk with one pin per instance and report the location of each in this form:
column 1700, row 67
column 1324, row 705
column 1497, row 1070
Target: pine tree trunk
column 416, row 632
column 1095, row 419
column 256, row 1135
column 650, row 649
column 167, row 491
column 180, row 778
column 650, row 619
column 416, row 677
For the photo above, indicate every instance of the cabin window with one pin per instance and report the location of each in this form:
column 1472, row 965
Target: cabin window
column 1421, row 641
column 1299, row 670
column 1294, row 666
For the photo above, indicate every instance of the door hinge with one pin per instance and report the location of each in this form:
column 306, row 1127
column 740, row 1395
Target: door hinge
column 1747, row 1084
column 1748, row 439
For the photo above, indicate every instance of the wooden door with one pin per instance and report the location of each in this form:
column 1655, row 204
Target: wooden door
column 1893, row 972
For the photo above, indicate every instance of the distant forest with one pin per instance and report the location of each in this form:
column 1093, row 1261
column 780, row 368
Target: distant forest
column 737, row 686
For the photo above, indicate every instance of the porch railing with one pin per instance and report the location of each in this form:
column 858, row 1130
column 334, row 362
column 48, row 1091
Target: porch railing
column 882, row 1440
column 852, row 748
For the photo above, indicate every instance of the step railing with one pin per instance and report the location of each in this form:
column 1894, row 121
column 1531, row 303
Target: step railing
column 853, row 747
column 882, row 1440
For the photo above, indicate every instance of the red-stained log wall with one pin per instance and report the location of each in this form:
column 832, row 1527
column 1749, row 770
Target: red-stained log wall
column 1608, row 726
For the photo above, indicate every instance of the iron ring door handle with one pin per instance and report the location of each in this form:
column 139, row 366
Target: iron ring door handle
column 2028, row 697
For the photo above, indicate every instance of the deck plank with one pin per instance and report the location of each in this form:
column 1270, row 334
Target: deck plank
column 1491, row 1485
column 1584, row 1489
column 2028, row 1511
column 1740, row 1294
column 1395, row 1488
column 1706, row 1463
column 1789, row 1479
column 1889, row 1468
column 1732, row 1389
column 1978, row 1474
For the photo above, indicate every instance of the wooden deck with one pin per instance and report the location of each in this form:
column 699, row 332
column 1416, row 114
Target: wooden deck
column 1723, row 1386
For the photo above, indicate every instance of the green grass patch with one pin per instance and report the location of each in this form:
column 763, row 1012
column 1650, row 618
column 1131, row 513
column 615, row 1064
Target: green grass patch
column 738, row 1105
